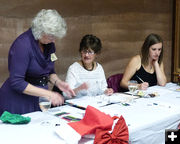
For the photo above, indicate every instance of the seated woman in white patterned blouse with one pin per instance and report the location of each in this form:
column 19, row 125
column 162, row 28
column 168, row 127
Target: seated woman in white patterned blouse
column 86, row 77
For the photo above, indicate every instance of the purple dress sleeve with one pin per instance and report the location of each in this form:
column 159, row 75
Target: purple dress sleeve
column 18, row 62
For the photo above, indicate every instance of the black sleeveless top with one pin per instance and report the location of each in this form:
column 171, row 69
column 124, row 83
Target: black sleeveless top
column 145, row 76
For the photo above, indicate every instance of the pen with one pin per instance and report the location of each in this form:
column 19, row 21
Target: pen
column 74, row 105
column 161, row 105
column 125, row 104
column 110, row 104
column 139, row 78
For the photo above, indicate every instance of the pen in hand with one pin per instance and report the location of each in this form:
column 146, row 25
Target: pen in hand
column 139, row 78
column 144, row 85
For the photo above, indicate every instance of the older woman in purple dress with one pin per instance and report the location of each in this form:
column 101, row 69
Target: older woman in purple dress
column 31, row 65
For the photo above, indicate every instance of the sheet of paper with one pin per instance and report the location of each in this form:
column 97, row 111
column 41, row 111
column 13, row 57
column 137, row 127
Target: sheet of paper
column 86, row 100
column 101, row 100
column 172, row 86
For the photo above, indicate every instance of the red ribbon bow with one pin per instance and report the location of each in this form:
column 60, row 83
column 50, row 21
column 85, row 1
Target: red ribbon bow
column 120, row 134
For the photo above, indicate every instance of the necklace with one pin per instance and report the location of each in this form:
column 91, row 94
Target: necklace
column 86, row 67
column 150, row 67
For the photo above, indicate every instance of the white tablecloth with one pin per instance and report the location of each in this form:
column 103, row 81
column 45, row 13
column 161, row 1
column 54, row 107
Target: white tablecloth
column 147, row 119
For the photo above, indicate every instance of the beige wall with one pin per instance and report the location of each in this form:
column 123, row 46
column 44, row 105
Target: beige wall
column 122, row 25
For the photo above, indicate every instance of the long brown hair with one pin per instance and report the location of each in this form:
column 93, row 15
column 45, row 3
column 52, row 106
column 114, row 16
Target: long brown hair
column 149, row 41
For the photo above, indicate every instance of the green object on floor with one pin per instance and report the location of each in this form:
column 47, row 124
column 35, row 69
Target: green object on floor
column 8, row 117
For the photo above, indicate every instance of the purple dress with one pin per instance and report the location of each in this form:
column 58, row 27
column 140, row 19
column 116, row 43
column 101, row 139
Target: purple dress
column 25, row 60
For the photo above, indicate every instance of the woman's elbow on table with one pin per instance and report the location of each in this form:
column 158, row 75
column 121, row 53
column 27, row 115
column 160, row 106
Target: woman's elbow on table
column 162, row 84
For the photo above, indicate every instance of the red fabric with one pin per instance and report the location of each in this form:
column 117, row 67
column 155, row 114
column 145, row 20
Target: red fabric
column 92, row 120
column 120, row 134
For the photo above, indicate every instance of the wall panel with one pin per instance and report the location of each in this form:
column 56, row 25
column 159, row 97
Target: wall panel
column 122, row 25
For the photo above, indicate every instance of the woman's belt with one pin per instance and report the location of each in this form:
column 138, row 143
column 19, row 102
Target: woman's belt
column 40, row 81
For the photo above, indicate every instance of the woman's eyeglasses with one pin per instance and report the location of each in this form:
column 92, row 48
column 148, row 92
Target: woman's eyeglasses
column 51, row 37
column 87, row 52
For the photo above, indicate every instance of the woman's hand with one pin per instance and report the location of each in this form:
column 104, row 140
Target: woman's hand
column 155, row 63
column 109, row 91
column 143, row 86
column 56, row 99
column 159, row 69
column 65, row 88
column 83, row 86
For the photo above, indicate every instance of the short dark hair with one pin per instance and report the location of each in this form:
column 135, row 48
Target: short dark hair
column 92, row 42
column 149, row 41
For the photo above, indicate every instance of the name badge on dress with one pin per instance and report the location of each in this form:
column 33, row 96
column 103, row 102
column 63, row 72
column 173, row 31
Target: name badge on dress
column 53, row 57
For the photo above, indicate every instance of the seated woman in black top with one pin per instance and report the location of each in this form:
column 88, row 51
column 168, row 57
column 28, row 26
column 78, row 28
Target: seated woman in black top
column 147, row 68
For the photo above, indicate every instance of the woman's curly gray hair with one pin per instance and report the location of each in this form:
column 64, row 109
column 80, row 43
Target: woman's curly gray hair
column 48, row 22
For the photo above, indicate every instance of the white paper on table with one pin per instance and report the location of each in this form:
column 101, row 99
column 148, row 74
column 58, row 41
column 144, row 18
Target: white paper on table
column 172, row 86
column 158, row 89
column 161, row 105
column 68, row 109
column 86, row 100
column 38, row 117
column 121, row 97
column 101, row 100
